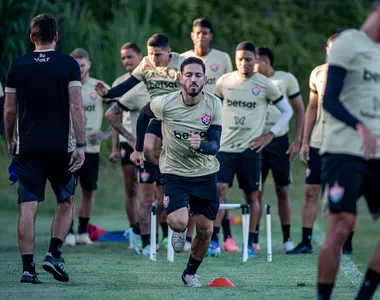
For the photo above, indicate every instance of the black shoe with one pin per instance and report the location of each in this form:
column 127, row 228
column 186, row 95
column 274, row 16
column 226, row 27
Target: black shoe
column 29, row 278
column 348, row 250
column 301, row 249
column 55, row 266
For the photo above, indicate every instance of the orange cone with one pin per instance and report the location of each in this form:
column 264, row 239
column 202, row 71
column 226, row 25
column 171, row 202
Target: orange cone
column 220, row 282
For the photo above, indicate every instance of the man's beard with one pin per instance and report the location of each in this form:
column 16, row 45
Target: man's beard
column 193, row 93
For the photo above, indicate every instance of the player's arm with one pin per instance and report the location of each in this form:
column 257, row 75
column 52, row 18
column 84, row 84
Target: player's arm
column 332, row 104
column 118, row 90
column 113, row 116
column 10, row 109
column 310, row 117
column 211, row 147
column 114, row 156
column 2, row 99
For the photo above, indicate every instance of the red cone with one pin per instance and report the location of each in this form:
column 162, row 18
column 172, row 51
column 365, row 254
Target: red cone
column 220, row 282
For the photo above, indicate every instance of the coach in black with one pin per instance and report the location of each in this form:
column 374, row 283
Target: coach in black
column 43, row 94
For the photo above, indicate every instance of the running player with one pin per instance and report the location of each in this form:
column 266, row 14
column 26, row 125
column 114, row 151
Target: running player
column 88, row 174
column 191, row 127
column 217, row 63
column 246, row 96
column 50, row 144
column 129, row 105
column 160, row 73
column 309, row 154
column 278, row 154
column 351, row 146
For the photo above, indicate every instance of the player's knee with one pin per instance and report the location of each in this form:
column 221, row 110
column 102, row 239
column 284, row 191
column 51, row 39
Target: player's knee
column 177, row 223
column 204, row 234
column 342, row 226
column 312, row 192
column 222, row 191
column 282, row 192
column 67, row 203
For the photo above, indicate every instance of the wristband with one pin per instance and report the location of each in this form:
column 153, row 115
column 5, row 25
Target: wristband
column 81, row 145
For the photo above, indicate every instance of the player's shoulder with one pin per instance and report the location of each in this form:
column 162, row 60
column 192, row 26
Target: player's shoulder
column 349, row 34
column 227, row 76
column 220, row 53
column 169, row 97
column 211, row 98
column 188, row 53
column 319, row 69
column 177, row 58
column 260, row 79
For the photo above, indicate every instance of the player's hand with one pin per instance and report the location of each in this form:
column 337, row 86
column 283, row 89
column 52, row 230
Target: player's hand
column 261, row 141
column 11, row 148
column 305, row 153
column 369, row 141
column 77, row 160
column 114, row 157
column 195, row 141
column 97, row 137
column 100, row 88
column 293, row 149
column 137, row 158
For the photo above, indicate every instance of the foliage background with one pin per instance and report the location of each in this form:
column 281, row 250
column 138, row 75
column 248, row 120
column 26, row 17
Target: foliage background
column 296, row 30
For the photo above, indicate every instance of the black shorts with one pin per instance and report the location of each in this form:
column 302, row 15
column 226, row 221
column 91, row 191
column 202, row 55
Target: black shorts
column 246, row 165
column 345, row 178
column 274, row 158
column 34, row 169
column 150, row 173
column 198, row 193
column 314, row 167
column 89, row 173
column 155, row 128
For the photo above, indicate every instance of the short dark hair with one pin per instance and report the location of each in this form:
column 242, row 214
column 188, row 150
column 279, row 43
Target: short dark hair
column 265, row 52
column 132, row 46
column 43, row 28
column 246, row 46
column 158, row 40
column 80, row 53
column 193, row 60
column 332, row 37
column 375, row 3
column 203, row 22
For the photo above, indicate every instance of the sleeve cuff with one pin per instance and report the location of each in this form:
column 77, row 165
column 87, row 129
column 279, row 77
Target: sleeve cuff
column 291, row 97
column 278, row 100
column 122, row 106
column 10, row 90
column 75, row 83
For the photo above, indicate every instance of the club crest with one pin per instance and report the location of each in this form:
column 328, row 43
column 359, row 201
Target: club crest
column 256, row 91
column 214, row 67
column 93, row 96
column 206, row 119
column 336, row 192
column 144, row 175
column 166, row 201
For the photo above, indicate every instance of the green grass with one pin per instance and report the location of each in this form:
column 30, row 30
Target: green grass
column 110, row 270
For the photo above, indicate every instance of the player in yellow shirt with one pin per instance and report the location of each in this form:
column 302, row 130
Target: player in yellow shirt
column 309, row 154
column 88, row 174
column 217, row 63
column 351, row 146
column 159, row 72
column 278, row 154
column 246, row 96
column 129, row 105
column 191, row 128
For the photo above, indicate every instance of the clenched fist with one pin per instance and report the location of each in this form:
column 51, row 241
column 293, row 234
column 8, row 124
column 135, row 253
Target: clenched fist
column 195, row 141
column 100, row 88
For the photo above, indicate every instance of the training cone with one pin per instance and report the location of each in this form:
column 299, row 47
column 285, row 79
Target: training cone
column 220, row 282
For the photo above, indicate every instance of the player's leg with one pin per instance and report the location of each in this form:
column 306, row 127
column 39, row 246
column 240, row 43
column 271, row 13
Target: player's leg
column 63, row 184
column 153, row 142
column 248, row 165
column 371, row 191
column 204, row 204
column 310, row 203
column 31, row 180
column 342, row 179
column 176, row 202
column 88, row 182
column 189, row 234
column 130, row 184
column 224, row 177
column 229, row 244
column 161, row 215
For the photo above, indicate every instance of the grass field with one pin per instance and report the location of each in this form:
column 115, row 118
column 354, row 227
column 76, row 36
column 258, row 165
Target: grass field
column 111, row 271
